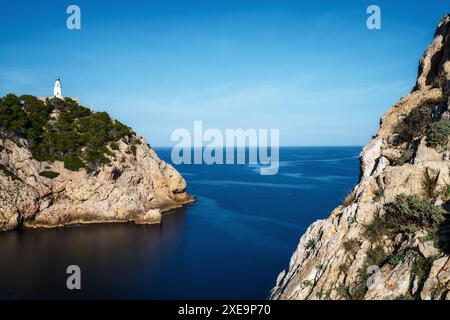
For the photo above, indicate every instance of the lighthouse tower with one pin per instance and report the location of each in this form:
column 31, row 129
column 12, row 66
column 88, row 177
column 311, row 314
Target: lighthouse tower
column 57, row 89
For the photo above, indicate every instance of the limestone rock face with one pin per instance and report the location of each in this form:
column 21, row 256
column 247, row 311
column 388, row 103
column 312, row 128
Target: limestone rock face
column 132, row 188
column 331, row 259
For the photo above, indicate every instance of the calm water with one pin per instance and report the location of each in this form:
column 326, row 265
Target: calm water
column 231, row 244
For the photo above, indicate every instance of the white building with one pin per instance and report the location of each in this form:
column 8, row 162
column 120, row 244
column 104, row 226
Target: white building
column 57, row 89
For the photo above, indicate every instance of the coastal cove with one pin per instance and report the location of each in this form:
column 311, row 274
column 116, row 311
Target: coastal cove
column 230, row 244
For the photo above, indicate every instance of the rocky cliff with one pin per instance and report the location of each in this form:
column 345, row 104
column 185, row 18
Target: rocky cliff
column 129, row 184
column 390, row 237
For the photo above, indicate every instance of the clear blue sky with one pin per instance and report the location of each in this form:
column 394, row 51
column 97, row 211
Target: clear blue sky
column 310, row 68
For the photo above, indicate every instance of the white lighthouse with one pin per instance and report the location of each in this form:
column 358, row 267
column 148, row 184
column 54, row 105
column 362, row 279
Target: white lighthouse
column 57, row 89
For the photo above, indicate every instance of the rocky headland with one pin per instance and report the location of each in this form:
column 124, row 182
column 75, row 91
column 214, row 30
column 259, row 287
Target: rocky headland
column 63, row 164
column 390, row 237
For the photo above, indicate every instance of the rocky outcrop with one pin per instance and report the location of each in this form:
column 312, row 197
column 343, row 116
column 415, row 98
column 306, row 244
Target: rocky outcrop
column 131, row 188
column 338, row 258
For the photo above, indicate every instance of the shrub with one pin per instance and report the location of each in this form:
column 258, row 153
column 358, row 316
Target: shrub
column 404, row 158
column 343, row 268
column 421, row 268
column 95, row 157
column 410, row 213
column 359, row 288
column 352, row 220
column 133, row 150
column 379, row 193
column 415, row 124
column 446, row 192
column 344, row 292
column 73, row 163
column 429, row 183
column 440, row 80
column 439, row 133
column 308, row 283
column 397, row 257
column 8, row 173
column 376, row 256
column 351, row 246
column 375, row 229
column 49, row 174
column 310, row 244
column 114, row 146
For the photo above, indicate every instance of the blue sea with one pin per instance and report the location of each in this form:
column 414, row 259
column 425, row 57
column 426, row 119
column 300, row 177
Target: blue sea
column 230, row 244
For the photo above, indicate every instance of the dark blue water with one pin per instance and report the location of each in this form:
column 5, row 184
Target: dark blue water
column 231, row 243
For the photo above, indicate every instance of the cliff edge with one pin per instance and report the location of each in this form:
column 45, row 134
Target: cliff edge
column 390, row 237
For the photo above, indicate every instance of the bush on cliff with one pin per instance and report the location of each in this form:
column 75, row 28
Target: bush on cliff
column 407, row 215
column 406, row 157
column 439, row 133
column 49, row 174
column 8, row 173
column 415, row 124
column 410, row 213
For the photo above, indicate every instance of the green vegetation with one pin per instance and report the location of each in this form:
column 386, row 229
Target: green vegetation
column 133, row 150
column 404, row 158
column 343, row 268
column 114, row 146
column 73, row 162
column 405, row 215
column 446, row 192
column 429, row 183
column 310, row 244
column 344, row 292
column 379, row 193
column 352, row 220
column 351, row 246
column 374, row 257
column 440, row 80
column 375, row 229
column 416, row 123
column 49, row 174
column 421, row 269
column 421, row 266
column 8, row 173
column 408, row 214
column 419, row 123
column 398, row 257
column 308, row 283
column 439, row 133
column 63, row 130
